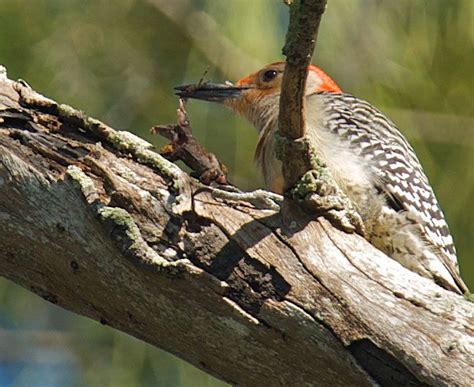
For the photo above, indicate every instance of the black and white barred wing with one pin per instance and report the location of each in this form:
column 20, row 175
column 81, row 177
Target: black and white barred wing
column 376, row 139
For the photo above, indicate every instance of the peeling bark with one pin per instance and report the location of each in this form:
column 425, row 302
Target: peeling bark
column 95, row 221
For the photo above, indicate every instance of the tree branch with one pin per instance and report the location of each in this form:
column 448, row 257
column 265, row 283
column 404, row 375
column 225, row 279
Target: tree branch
column 95, row 221
column 305, row 16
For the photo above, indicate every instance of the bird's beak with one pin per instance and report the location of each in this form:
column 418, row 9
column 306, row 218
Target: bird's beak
column 214, row 92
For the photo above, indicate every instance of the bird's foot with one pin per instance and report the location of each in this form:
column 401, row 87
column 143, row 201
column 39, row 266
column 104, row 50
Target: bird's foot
column 258, row 198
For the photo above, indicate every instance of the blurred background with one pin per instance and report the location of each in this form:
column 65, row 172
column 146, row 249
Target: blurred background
column 119, row 60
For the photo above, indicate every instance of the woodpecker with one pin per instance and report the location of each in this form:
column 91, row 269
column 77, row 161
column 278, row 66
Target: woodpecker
column 368, row 157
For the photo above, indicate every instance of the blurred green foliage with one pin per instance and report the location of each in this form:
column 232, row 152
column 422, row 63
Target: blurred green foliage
column 119, row 61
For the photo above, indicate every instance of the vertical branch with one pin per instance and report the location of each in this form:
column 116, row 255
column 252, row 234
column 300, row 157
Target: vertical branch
column 305, row 16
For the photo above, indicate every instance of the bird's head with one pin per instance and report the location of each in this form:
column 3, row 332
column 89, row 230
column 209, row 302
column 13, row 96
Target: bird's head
column 257, row 95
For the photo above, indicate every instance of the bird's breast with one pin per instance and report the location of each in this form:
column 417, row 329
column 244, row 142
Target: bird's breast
column 349, row 170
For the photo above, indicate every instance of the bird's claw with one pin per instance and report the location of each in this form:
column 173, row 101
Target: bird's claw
column 259, row 198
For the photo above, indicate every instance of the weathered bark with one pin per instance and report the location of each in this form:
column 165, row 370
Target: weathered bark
column 94, row 221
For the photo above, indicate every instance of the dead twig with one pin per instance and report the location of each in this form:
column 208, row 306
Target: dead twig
column 184, row 146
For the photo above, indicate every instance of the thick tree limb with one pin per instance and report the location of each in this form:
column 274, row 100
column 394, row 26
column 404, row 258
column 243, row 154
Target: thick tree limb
column 95, row 221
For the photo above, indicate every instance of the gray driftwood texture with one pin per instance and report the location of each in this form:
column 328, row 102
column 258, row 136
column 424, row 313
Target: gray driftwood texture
column 95, row 221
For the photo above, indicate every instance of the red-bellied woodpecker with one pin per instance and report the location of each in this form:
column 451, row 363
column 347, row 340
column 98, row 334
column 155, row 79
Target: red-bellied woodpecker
column 368, row 158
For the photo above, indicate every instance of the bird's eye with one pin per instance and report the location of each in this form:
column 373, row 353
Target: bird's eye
column 269, row 75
